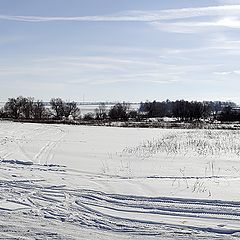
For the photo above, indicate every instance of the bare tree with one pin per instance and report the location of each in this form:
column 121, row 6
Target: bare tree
column 39, row 110
column 19, row 107
column 12, row 108
column 119, row 111
column 70, row 108
column 26, row 107
column 57, row 105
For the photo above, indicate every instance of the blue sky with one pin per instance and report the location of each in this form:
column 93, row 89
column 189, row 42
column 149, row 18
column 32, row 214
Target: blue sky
column 120, row 50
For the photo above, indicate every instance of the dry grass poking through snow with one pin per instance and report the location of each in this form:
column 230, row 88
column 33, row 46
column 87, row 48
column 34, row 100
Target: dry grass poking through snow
column 194, row 143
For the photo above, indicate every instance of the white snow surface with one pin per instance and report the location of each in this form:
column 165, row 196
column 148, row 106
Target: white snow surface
column 83, row 182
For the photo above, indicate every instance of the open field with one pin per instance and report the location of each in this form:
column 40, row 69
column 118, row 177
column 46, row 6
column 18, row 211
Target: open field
column 75, row 182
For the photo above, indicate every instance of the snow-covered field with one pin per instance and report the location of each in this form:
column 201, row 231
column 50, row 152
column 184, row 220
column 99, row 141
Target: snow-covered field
column 76, row 182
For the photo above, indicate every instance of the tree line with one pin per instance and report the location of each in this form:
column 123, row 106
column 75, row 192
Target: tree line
column 186, row 110
column 29, row 108
column 230, row 114
column 58, row 109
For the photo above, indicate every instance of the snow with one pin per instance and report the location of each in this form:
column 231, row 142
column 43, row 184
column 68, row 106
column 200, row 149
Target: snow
column 74, row 182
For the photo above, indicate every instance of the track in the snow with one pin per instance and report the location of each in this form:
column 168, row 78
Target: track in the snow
column 120, row 213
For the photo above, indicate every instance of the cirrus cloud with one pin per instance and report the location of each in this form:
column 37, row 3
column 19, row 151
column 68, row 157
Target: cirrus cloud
column 142, row 16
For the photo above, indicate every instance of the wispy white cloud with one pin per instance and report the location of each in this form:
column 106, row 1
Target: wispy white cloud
column 223, row 42
column 198, row 26
column 224, row 73
column 143, row 16
column 183, row 20
column 102, row 70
